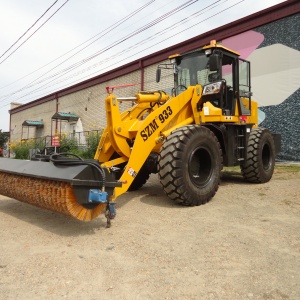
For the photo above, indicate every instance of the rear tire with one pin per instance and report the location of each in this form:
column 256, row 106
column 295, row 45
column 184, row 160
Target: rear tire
column 260, row 162
column 190, row 165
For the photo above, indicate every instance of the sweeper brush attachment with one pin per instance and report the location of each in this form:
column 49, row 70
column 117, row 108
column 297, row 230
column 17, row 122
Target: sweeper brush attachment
column 74, row 187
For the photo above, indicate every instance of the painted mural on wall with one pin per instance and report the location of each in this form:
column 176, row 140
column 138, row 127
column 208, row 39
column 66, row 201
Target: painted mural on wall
column 274, row 52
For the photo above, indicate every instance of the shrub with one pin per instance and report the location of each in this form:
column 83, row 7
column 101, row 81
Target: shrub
column 21, row 149
column 92, row 141
column 67, row 144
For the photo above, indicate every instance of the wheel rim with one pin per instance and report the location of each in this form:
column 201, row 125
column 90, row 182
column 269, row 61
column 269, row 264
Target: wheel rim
column 266, row 157
column 200, row 167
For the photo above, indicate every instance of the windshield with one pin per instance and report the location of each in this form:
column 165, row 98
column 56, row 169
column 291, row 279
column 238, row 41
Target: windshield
column 192, row 70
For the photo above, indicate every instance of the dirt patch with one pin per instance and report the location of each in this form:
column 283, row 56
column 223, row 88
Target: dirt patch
column 244, row 244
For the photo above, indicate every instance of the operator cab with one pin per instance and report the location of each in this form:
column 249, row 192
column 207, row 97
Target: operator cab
column 224, row 76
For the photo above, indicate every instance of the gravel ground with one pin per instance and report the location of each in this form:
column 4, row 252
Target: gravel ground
column 244, row 244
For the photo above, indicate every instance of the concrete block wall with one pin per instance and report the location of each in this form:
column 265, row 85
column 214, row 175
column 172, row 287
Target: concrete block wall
column 166, row 81
column 88, row 104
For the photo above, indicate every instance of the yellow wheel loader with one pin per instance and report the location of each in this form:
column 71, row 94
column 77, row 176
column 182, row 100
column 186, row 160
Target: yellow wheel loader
column 207, row 121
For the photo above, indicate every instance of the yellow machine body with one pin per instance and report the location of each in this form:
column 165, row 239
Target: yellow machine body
column 149, row 127
column 208, row 121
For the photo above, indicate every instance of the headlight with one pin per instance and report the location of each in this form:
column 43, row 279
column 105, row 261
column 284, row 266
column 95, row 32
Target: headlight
column 212, row 88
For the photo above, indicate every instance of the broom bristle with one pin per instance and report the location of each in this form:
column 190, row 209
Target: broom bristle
column 53, row 195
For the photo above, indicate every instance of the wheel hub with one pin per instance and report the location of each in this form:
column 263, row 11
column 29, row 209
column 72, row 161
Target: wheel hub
column 200, row 166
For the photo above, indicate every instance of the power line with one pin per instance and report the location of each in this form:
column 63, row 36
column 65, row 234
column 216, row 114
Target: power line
column 178, row 23
column 33, row 32
column 28, row 29
column 103, row 33
column 112, row 45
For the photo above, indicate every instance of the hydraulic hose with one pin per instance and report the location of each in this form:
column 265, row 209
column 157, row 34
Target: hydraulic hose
column 55, row 158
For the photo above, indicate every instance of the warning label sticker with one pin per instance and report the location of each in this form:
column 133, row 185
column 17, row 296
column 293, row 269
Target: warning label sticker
column 131, row 172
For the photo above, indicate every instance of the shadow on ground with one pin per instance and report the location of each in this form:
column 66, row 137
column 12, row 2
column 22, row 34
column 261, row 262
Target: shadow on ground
column 54, row 222
column 150, row 194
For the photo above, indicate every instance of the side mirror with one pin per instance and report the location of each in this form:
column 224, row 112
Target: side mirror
column 214, row 62
column 158, row 73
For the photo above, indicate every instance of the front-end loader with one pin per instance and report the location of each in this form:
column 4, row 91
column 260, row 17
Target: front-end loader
column 208, row 121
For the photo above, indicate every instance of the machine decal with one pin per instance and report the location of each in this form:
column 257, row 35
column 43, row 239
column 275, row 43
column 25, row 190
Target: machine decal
column 149, row 130
column 165, row 114
column 206, row 111
column 153, row 126
column 131, row 172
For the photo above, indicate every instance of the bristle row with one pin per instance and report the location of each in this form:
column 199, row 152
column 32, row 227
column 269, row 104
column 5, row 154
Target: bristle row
column 53, row 195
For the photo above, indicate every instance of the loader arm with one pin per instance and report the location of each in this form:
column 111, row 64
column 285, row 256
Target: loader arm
column 120, row 127
column 148, row 134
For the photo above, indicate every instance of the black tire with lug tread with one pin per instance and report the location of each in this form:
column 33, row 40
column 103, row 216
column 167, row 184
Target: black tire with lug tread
column 190, row 165
column 260, row 162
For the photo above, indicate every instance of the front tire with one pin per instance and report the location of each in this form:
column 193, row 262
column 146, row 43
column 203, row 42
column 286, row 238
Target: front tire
column 260, row 162
column 190, row 165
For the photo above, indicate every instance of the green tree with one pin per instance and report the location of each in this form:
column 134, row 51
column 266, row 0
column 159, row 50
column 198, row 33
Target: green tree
column 3, row 138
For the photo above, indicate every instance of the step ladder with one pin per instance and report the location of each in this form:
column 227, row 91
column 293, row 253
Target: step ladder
column 240, row 143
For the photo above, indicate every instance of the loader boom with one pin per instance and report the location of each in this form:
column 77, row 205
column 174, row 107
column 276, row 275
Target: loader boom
column 148, row 133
